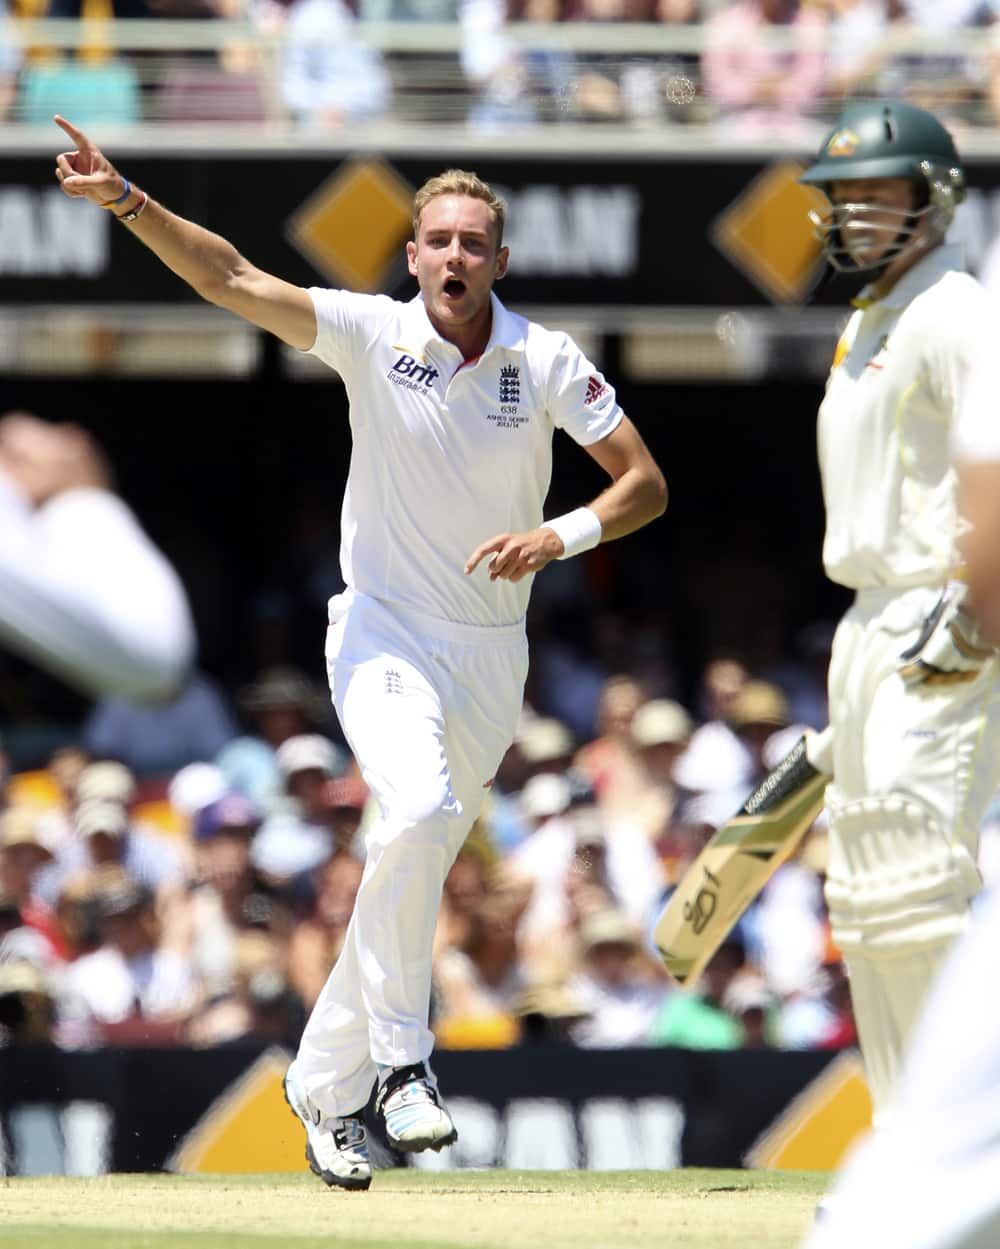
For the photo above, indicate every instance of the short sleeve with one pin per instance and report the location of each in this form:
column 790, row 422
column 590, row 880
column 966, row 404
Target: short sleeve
column 579, row 399
column 346, row 323
column 953, row 334
column 977, row 429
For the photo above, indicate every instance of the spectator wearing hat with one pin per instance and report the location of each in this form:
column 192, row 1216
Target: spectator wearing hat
column 544, row 744
column 230, row 896
column 611, row 762
column 134, row 986
column 105, row 780
column 80, row 778
column 541, row 745
column 346, row 801
column 24, row 852
column 752, row 1004
column 715, row 757
column 192, row 789
column 281, row 704
column 758, row 713
column 661, row 729
column 297, row 839
column 100, row 781
column 104, row 836
column 617, row 984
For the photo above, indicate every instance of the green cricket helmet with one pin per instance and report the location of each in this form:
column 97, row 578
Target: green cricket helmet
column 887, row 140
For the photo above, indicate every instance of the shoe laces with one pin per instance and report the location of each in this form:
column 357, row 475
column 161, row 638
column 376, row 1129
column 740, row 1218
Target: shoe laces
column 349, row 1133
column 415, row 1089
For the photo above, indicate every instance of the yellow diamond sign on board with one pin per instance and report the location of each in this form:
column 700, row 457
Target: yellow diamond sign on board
column 818, row 1127
column 766, row 232
column 249, row 1129
column 353, row 227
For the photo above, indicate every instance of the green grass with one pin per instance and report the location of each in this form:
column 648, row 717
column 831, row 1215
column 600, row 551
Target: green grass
column 409, row 1209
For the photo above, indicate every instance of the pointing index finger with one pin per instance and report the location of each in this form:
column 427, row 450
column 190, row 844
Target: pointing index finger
column 79, row 138
column 484, row 548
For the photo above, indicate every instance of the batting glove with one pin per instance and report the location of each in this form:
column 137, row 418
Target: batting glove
column 950, row 648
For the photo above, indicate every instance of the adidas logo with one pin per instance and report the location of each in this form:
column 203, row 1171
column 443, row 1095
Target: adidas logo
column 596, row 389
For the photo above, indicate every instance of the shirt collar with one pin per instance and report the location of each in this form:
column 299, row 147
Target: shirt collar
column 915, row 281
column 505, row 330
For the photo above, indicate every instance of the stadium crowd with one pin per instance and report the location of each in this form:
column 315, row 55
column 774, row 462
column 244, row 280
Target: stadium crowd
column 209, row 904
column 328, row 75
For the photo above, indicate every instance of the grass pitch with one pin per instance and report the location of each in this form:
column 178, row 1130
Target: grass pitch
column 408, row 1209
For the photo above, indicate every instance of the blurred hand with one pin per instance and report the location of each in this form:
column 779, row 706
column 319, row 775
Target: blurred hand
column 950, row 649
column 46, row 460
column 86, row 173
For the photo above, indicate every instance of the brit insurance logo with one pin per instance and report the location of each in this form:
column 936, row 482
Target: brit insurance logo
column 412, row 373
column 509, row 394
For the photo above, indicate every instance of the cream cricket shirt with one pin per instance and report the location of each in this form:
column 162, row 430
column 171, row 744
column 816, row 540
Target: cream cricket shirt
column 885, row 428
column 449, row 453
column 977, row 433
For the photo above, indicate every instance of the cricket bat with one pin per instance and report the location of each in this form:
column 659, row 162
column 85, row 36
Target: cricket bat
column 739, row 861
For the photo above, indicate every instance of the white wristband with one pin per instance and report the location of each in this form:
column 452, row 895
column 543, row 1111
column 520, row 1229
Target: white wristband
column 579, row 531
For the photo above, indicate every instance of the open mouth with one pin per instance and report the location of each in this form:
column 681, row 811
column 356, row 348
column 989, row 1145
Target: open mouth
column 454, row 288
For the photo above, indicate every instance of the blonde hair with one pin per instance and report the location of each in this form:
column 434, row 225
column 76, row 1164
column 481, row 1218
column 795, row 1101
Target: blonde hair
column 460, row 182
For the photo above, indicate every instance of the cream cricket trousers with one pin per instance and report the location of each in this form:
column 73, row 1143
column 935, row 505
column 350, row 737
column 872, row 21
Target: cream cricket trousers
column 914, row 769
column 429, row 709
column 928, row 1178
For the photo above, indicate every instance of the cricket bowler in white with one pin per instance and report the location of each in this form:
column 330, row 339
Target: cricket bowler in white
column 454, row 402
column 927, row 1178
column 914, row 695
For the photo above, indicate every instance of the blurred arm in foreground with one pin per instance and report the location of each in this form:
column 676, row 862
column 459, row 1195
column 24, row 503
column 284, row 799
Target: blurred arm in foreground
column 977, row 450
column 83, row 591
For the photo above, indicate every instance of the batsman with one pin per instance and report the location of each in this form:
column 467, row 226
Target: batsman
column 914, row 695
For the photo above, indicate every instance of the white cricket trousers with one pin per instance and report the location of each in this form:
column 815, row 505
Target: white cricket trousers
column 914, row 768
column 429, row 709
column 927, row 1179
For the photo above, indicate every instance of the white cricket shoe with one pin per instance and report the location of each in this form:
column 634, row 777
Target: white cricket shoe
column 412, row 1112
column 336, row 1149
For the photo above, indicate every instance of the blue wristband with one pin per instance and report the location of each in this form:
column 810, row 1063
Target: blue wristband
column 124, row 195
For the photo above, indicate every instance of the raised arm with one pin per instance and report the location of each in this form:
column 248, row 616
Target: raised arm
column 207, row 262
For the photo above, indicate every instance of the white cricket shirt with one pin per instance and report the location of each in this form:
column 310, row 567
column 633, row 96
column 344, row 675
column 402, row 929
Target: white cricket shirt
column 885, row 428
column 449, row 453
